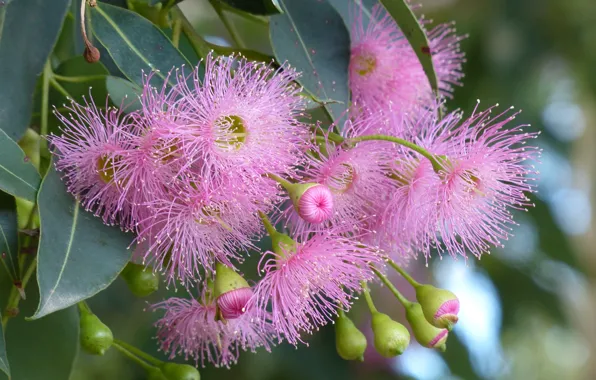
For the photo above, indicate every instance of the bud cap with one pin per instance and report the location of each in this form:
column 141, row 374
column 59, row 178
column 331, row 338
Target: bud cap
column 312, row 201
column 425, row 333
column 440, row 306
column 391, row 337
column 95, row 336
column 175, row 371
column 349, row 341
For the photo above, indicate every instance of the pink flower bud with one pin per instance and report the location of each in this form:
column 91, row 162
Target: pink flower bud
column 316, row 204
column 232, row 304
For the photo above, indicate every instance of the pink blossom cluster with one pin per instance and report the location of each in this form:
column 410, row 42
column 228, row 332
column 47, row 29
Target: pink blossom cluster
column 196, row 171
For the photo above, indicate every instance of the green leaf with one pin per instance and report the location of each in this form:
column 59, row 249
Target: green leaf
column 124, row 93
column 78, row 255
column 41, row 349
column 9, row 243
column 27, row 35
column 411, row 28
column 312, row 37
column 347, row 10
column 17, row 176
column 4, row 366
column 256, row 7
column 78, row 67
column 135, row 44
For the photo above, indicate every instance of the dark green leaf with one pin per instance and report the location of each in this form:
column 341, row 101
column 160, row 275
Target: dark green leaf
column 9, row 243
column 17, row 176
column 124, row 93
column 78, row 67
column 312, row 37
column 135, row 44
column 41, row 349
column 78, row 255
column 257, row 7
column 28, row 33
column 3, row 358
column 411, row 28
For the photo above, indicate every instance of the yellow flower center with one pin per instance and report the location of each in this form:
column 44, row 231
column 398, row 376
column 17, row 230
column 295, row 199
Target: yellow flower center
column 230, row 131
column 364, row 64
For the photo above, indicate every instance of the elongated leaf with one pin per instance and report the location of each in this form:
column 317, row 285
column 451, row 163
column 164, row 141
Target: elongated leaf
column 4, row 366
column 42, row 349
column 124, row 93
column 78, row 255
column 17, row 176
column 347, row 10
column 135, row 44
column 257, row 7
column 28, row 33
column 312, row 37
column 411, row 28
column 8, row 234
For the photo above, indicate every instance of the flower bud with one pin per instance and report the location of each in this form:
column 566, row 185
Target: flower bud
column 231, row 291
column 140, row 279
column 91, row 54
column 175, row 371
column 155, row 374
column 425, row 333
column 391, row 337
column 312, row 201
column 95, row 336
column 349, row 341
column 440, row 306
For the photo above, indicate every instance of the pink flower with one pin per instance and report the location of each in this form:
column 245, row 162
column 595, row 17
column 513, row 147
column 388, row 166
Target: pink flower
column 316, row 204
column 384, row 70
column 242, row 116
column 90, row 153
column 189, row 329
column 201, row 221
column 357, row 178
column 465, row 204
column 232, row 304
column 305, row 286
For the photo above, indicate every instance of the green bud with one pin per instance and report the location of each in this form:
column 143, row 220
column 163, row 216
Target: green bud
column 24, row 209
column 140, row 279
column 425, row 333
column 440, row 306
column 175, row 371
column 391, row 337
column 155, row 374
column 226, row 280
column 95, row 336
column 349, row 341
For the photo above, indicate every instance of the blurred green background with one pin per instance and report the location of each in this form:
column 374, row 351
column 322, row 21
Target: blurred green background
column 529, row 310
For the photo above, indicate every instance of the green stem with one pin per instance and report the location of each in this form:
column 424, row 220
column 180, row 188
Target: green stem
column 14, row 297
column 227, row 23
column 404, row 274
column 84, row 308
column 60, row 89
column 403, row 300
column 77, row 79
column 45, row 99
column 143, row 355
column 368, row 298
column 286, row 184
column 268, row 226
column 437, row 165
column 199, row 45
column 176, row 29
column 131, row 356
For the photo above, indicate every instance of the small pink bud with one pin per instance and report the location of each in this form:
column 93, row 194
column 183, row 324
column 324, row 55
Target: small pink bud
column 316, row 204
column 440, row 306
column 232, row 304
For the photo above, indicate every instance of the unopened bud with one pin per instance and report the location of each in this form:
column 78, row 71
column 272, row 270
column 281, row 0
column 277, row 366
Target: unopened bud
column 95, row 336
column 155, row 374
column 312, row 201
column 440, row 306
column 140, row 279
column 231, row 291
column 175, row 371
column 391, row 337
column 91, row 54
column 349, row 341
column 425, row 333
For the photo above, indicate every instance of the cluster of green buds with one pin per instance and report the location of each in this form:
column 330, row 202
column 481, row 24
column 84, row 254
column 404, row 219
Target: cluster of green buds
column 430, row 318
